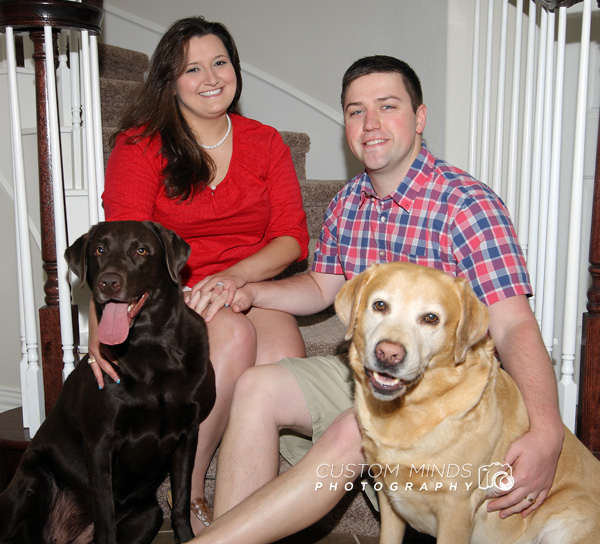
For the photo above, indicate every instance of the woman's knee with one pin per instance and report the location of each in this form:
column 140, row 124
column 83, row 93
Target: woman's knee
column 232, row 335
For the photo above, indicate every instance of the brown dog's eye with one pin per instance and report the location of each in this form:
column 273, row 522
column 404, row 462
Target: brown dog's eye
column 99, row 251
column 379, row 306
column 432, row 319
column 142, row 251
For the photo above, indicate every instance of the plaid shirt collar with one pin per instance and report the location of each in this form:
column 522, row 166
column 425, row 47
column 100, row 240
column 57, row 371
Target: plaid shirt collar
column 405, row 194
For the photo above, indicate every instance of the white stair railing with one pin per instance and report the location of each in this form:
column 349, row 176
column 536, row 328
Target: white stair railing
column 535, row 143
column 63, row 89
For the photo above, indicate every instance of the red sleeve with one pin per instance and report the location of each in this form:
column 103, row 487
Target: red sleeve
column 287, row 214
column 133, row 180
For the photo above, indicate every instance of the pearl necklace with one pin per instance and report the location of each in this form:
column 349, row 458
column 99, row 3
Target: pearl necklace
column 223, row 139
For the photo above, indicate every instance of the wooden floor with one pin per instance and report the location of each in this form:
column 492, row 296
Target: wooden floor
column 166, row 537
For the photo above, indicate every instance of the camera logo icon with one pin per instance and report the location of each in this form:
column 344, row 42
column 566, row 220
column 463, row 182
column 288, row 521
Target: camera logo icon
column 497, row 476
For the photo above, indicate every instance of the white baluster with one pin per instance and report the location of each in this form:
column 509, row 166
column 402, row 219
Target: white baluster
column 511, row 177
column 76, row 109
column 473, row 136
column 64, row 294
column 525, row 179
column 487, row 97
column 98, row 147
column 33, row 409
column 500, row 97
column 545, row 167
column 63, row 82
column 88, row 109
column 549, row 300
column 535, row 174
column 567, row 388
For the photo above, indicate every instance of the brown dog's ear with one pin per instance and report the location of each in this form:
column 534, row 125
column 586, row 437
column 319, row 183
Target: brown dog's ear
column 473, row 323
column 177, row 250
column 348, row 299
column 76, row 256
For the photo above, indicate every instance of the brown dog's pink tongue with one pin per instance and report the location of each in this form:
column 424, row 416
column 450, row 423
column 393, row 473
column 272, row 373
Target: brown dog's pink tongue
column 114, row 325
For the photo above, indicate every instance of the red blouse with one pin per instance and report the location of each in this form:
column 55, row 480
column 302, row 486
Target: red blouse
column 259, row 199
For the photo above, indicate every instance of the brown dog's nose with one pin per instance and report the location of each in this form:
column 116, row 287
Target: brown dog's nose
column 110, row 283
column 389, row 353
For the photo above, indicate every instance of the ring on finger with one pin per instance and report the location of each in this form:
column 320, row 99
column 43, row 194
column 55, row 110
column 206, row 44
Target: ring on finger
column 91, row 359
column 220, row 283
column 529, row 499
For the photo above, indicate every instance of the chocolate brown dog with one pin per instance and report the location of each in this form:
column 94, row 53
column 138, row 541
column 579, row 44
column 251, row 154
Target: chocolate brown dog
column 92, row 471
column 438, row 414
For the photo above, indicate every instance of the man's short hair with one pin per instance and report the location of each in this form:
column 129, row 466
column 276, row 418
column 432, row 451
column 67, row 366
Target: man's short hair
column 385, row 64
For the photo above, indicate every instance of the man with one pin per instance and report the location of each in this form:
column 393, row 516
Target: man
column 407, row 205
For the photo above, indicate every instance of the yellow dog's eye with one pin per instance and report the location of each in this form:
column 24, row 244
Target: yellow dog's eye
column 99, row 251
column 142, row 251
column 379, row 306
column 432, row 319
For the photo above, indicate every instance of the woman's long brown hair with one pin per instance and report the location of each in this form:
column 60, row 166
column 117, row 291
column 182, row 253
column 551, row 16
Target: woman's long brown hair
column 155, row 111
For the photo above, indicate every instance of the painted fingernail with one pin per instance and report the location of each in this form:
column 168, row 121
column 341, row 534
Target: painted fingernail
column 119, row 380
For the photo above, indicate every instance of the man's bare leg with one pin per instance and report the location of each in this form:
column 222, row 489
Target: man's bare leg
column 291, row 502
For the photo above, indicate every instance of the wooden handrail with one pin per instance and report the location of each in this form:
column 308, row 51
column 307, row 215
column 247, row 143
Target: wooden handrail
column 28, row 15
column 551, row 5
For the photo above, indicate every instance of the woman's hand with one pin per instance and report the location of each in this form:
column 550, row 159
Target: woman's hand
column 212, row 293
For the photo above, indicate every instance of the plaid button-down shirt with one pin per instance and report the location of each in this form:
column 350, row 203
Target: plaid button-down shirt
column 439, row 217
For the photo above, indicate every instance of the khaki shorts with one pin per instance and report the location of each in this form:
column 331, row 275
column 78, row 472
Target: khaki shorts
column 328, row 388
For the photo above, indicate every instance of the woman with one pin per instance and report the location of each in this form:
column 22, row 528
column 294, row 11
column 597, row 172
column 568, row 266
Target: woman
column 185, row 158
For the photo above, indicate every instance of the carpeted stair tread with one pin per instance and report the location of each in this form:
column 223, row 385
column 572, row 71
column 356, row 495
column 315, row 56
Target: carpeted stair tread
column 118, row 63
column 323, row 333
column 116, row 96
column 299, row 144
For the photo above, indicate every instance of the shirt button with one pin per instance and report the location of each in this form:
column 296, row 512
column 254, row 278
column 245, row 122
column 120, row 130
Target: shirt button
column 382, row 219
column 381, row 253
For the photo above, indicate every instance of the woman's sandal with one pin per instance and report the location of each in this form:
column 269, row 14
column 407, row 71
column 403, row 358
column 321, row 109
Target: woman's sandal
column 200, row 509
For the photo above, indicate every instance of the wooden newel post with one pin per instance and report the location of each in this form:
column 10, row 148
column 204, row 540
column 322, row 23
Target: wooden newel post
column 588, row 428
column 50, row 342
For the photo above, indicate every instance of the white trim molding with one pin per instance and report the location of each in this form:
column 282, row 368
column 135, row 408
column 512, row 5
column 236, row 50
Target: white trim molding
column 9, row 399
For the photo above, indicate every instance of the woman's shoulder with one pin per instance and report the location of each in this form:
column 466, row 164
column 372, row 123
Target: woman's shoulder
column 252, row 128
column 137, row 136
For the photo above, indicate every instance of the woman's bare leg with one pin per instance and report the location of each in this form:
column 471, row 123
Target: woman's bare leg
column 237, row 342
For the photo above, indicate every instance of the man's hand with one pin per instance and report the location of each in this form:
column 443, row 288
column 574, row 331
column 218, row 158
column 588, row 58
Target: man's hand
column 533, row 458
column 243, row 299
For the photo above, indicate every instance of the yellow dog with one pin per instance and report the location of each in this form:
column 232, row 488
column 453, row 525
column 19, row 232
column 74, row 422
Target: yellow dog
column 438, row 415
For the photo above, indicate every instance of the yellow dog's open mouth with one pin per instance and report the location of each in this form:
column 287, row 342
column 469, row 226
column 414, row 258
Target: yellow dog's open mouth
column 116, row 319
column 385, row 384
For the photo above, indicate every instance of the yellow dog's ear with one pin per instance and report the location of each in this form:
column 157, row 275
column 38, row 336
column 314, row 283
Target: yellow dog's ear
column 473, row 323
column 348, row 299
